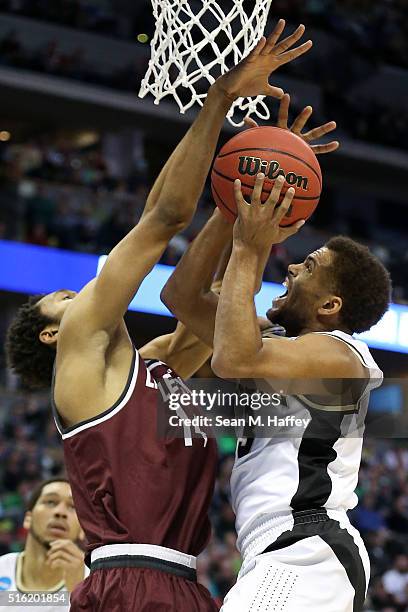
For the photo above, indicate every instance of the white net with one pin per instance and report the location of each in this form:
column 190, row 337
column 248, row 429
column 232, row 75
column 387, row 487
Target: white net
column 196, row 41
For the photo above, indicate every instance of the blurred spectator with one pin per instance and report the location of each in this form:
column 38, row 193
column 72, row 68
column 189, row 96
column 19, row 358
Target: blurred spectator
column 395, row 582
column 366, row 516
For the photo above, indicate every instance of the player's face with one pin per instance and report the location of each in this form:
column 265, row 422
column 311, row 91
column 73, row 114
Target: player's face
column 54, row 304
column 306, row 284
column 53, row 516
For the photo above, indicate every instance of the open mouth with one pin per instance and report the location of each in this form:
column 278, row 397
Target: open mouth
column 279, row 300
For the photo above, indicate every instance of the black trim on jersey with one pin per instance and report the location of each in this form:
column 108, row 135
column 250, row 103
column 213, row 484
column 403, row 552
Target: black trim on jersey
column 146, row 562
column 316, row 451
column 346, row 550
column 318, row 523
column 155, row 362
column 65, row 430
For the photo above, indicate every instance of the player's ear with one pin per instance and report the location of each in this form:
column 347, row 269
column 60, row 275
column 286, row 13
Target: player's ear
column 27, row 520
column 331, row 305
column 49, row 334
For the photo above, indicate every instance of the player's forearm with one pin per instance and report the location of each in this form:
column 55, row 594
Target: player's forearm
column 237, row 337
column 180, row 184
column 195, row 271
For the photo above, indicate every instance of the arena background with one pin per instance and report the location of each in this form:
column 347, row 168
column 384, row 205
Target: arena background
column 78, row 153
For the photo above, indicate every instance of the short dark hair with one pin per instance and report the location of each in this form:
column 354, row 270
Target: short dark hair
column 26, row 354
column 362, row 281
column 37, row 492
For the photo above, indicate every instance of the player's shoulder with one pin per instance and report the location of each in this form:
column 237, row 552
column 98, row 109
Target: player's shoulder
column 8, row 564
column 8, row 559
column 339, row 341
column 340, row 349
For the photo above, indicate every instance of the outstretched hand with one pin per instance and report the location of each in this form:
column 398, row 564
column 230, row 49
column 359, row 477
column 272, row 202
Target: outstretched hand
column 298, row 125
column 300, row 122
column 251, row 76
column 257, row 226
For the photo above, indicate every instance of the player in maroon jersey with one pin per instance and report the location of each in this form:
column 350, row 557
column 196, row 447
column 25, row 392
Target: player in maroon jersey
column 142, row 501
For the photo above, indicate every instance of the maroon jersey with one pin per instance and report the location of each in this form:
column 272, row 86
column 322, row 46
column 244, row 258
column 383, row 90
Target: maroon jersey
column 130, row 486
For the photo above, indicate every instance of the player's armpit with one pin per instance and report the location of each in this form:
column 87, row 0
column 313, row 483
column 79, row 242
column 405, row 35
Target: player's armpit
column 103, row 302
column 311, row 356
column 182, row 351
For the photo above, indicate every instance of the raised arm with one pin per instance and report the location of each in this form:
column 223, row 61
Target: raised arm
column 239, row 349
column 102, row 304
column 182, row 350
column 169, row 209
column 187, row 292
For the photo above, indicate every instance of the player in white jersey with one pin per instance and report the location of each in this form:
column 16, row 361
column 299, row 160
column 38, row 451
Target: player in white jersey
column 291, row 493
column 51, row 564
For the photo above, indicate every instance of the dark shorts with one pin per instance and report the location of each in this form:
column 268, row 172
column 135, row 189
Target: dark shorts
column 134, row 589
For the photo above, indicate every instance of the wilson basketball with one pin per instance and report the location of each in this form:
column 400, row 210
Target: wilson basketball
column 275, row 152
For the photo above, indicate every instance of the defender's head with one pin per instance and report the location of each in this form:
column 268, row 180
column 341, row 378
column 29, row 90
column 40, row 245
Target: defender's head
column 340, row 286
column 51, row 513
column 32, row 337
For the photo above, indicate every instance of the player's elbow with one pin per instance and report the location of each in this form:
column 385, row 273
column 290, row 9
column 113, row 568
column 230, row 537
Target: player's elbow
column 173, row 215
column 224, row 367
column 172, row 298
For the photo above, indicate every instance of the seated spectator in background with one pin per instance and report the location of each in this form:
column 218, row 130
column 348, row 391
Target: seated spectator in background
column 395, row 582
column 366, row 517
column 380, row 599
column 398, row 517
column 51, row 560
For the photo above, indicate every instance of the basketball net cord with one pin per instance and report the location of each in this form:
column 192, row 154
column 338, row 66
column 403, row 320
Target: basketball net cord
column 199, row 39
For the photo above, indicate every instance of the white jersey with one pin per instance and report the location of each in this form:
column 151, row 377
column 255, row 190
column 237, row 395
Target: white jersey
column 44, row 601
column 285, row 474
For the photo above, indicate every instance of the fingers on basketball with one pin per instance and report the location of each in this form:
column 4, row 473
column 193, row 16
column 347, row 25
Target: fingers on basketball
column 239, row 198
column 282, row 210
column 257, row 190
column 275, row 194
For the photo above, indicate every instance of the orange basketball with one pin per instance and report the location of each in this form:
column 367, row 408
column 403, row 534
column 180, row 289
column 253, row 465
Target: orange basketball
column 274, row 152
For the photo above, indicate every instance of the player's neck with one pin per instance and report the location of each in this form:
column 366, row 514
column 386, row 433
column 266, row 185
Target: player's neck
column 318, row 326
column 33, row 572
column 312, row 327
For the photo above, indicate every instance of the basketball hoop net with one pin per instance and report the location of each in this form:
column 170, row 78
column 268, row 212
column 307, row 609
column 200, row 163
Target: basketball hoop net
column 196, row 41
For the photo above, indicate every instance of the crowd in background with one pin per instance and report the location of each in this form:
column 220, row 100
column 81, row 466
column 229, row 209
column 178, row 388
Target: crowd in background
column 50, row 59
column 65, row 197
column 362, row 36
column 379, row 29
column 93, row 15
column 376, row 29
column 30, row 450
